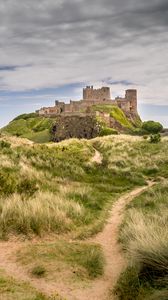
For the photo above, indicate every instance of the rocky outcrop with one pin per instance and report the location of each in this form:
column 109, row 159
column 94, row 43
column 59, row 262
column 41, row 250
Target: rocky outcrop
column 66, row 127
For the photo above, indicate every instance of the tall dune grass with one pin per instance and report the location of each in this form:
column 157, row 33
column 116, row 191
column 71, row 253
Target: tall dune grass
column 147, row 242
column 144, row 237
column 44, row 212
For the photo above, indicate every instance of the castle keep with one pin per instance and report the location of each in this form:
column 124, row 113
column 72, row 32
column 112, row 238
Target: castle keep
column 92, row 97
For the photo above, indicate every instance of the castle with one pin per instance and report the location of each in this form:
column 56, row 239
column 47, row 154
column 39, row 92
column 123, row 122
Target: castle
column 92, row 97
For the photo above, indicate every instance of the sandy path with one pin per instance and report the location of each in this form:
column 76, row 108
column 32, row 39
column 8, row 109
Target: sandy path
column 108, row 239
column 115, row 262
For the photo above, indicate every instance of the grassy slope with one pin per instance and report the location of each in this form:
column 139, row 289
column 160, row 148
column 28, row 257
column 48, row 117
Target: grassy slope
column 58, row 183
column 118, row 115
column 38, row 129
column 144, row 237
column 30, row 126
column 56, row 188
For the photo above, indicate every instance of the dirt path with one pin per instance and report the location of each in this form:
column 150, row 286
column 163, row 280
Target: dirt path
column 115, row 262
column 108, row 239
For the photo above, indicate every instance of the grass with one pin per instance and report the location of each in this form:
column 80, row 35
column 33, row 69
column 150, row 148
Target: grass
column 55, row 187
column 11, row 289
column 30, row 126
column 118, row 115
column 38, row 271
column 83, row 261
column 144, row 238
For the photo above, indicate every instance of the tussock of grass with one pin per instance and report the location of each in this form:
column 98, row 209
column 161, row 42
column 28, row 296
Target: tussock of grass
column 38, row 271
column 147, row 242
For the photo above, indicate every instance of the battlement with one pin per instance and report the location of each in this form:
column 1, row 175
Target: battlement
column 93, row 97
column 89, row 93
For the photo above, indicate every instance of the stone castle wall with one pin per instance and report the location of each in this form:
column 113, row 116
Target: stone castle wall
column 93, row 97
column 89, row 93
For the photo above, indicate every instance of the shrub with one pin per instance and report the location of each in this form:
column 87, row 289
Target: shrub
column 152, row 127
column 38, row 271
column 28, row 187
column 4, row 144
column 8, row 183
column 155, row 138
column 145, row 137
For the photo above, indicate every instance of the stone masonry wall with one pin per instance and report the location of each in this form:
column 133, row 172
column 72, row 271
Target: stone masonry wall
column 67, row 127
column 89, row 93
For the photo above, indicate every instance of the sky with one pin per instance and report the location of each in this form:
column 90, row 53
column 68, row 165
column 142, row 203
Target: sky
column 51, row 49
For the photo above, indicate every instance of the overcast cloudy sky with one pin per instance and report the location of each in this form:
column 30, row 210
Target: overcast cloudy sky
column 50, row 49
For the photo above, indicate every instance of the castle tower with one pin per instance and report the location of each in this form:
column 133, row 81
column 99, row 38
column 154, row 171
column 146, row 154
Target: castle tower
column 131, row 96
column 89, row 93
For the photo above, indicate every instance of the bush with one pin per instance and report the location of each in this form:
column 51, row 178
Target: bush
column 4, row 144
column 155, row 138
column 8, row 183
column 145, row 137
column 27, row 187
column 152, row 127
column 38, row 271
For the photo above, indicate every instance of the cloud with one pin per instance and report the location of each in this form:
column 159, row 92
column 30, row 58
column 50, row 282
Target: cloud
column 48, row 43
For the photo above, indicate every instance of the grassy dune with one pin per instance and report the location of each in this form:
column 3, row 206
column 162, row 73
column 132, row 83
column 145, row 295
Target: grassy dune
column 144, row 238
column 56, row 187
column 57, row 190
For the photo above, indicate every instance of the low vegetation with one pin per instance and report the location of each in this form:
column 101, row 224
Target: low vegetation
column 38, row 271
column 56, row 188
column 118, row 115
column 31, row 126
column 76, row 261
column 11, row 289
column 144, row 238
column 58, row 192
column 40, row 129
column 152, row 127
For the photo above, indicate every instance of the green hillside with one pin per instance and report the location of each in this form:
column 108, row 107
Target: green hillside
column 38, row 129
column 119, row 116
column 30, row 126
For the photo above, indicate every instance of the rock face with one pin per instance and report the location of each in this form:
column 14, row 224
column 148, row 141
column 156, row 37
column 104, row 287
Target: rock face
column 67, row 127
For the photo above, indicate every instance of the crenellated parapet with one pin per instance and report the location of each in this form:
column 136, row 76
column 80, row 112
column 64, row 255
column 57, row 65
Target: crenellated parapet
column 93, row 97
column 89, row 93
